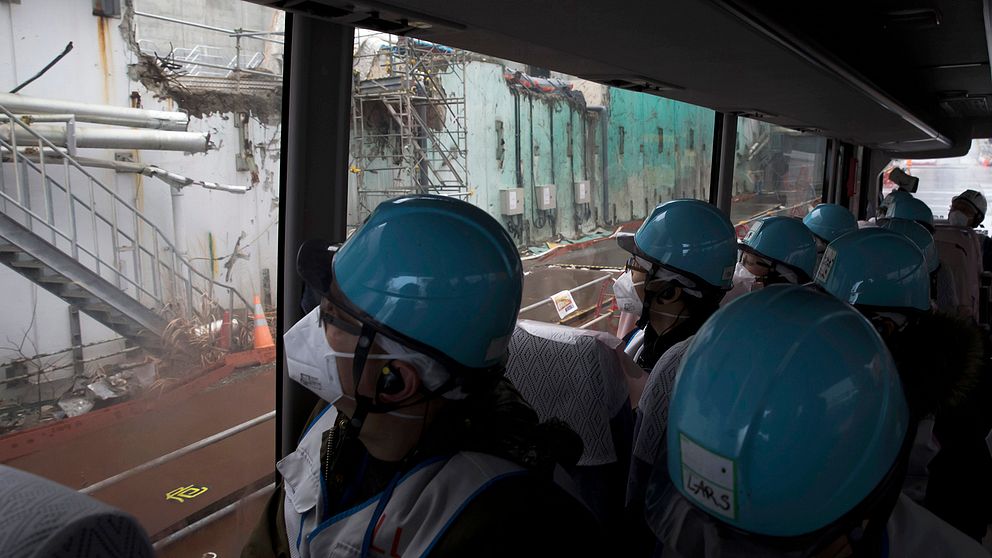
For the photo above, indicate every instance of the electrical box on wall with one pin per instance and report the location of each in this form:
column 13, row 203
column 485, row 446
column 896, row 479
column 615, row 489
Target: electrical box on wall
column 582, row 192
column 546, row 198
column 511, row 201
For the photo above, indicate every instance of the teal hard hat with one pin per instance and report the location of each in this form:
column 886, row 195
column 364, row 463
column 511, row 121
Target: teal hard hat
column 829, row 220
column 785, row 240
column 920, row 236
column 885, row 209
column 435, row 273
column 877, row 268
column 785, row 436
column 689, row 237
column 910, row 208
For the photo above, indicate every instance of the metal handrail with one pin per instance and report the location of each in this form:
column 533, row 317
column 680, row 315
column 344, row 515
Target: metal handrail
column 140, row 221
column 572, row 291
column 183, row 451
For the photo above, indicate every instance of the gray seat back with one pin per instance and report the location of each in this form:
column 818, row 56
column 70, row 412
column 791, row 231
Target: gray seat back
column 43, row 519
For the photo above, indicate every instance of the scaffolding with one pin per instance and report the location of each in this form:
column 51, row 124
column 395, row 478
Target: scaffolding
column 408, row 119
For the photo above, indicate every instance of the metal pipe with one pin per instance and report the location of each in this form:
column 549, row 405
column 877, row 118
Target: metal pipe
column 573, row 291
column 178, row 222
column 604, row 127
column 111, row 138
column 219, row 514
column 169, row 177
column 209, row 440
column 97, row 114
column 596, row 320
column 191, row 24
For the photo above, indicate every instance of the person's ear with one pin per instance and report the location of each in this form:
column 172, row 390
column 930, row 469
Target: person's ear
column 398, row 380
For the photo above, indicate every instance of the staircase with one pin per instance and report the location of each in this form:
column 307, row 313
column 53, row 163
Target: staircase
column 66, row 231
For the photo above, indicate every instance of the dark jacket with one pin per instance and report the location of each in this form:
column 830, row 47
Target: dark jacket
column 519, row 516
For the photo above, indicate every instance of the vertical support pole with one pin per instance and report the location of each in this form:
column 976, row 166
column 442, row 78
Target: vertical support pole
column 76, row 339
column 14, row 154
column 829, row 170
column 728, row 144
column 718, row 118
column 71, row 208
column 315, row 138
column 157, row 272
column 136, row 255
column 230, row 313
column 178, row 222
column 115, row 239
column 96, row 229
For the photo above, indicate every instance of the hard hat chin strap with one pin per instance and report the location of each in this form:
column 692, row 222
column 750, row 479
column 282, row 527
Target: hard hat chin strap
column 362, row 403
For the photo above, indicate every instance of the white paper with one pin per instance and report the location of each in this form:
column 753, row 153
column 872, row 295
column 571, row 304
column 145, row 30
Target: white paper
column 708, row 478
column 564, row 303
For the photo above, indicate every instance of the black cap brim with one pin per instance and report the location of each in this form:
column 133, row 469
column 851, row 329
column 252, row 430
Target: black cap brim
column 626, row 241
column 313, row 264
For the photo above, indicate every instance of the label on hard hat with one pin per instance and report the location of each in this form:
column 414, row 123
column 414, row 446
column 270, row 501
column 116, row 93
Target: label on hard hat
column 826, row 264
column 753, row 231
column 708, row 478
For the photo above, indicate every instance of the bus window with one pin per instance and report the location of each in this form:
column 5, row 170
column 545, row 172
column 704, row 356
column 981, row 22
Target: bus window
column 136, row 355
column 777, row 171
column 942, row 179
column 561, row 162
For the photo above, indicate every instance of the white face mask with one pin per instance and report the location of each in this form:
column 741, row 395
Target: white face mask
column 311, row 362
column 744, row 282
column 627, row 299
column 957, row 218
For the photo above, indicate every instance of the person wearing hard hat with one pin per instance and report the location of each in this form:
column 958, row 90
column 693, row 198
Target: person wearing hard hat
column 827, row 222
column 792, row 444
column 942, row 289
column 775, row 250
column 941, row 361
column 680, row 267
column 421, row 446
column 968, row 210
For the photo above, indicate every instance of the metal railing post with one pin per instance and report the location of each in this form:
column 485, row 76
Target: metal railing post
column 230, row 312
column 157, row 274
column 70, row 202
column 189, row 290
column 115, row 242
column 136, row 248
column 46, row 191
column 96, row 229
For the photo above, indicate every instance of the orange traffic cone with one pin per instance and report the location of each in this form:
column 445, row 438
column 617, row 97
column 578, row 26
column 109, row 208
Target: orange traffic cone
column 263, row 337
column 225, row 331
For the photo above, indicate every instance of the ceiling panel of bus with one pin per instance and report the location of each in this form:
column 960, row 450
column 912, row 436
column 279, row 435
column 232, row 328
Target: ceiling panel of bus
column 699, row 52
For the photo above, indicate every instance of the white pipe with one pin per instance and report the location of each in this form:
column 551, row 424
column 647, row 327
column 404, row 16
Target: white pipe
column 170, row 178
column 178, row 222
column 98, row 114
column 113, row 138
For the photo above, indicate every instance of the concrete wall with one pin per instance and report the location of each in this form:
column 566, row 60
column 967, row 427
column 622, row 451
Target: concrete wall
column 95, row 71
column 560, row 143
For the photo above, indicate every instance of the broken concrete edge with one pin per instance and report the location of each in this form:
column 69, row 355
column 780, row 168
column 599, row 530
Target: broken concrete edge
column 265, row 106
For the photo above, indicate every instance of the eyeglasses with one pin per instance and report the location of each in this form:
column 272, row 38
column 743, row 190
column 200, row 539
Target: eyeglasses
column 634, row 264
column 748, row 259
column 326, row 319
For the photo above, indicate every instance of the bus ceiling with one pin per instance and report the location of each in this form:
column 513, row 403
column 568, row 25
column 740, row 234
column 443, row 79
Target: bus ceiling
column 912, row 79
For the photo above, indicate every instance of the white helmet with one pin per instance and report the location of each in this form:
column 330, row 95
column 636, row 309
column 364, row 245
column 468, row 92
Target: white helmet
column 977, row 200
